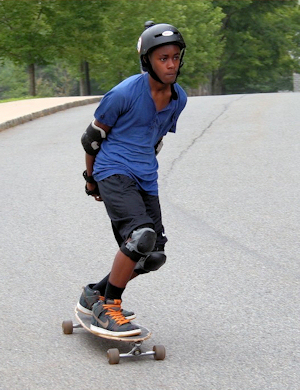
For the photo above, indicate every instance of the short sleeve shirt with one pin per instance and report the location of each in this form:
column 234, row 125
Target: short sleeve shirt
column 136, row 127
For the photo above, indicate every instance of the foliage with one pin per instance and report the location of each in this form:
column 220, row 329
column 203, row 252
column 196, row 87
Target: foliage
column 13, row 81
column 25, row 35
column 241, row 45
column 78, row 31
column 260, row 37
column 55, row 80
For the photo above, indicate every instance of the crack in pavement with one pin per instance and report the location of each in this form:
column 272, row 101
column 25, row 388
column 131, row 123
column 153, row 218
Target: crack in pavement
column 194, row 140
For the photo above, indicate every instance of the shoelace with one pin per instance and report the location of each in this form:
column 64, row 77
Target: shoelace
column 114, row 311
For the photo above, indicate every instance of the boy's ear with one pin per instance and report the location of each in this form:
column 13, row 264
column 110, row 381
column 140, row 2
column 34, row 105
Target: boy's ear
column 145, row 62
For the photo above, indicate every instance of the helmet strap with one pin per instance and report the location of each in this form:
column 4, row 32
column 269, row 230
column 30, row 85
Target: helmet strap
column 148, row 67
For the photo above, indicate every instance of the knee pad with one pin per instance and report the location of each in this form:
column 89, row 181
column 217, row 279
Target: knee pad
column 152, row 262
column 142, row 242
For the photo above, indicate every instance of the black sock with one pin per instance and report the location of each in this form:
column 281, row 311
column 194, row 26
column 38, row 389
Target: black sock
column 113, row 292
column 101, row 286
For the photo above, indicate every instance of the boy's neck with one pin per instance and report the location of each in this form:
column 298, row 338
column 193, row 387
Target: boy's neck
column 158, row 87
column 161, row 93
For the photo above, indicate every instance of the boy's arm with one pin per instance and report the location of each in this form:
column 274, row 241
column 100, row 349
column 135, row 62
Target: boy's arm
column 102, row 125
column 89, row 162
column 91, row 186
column 90, row 159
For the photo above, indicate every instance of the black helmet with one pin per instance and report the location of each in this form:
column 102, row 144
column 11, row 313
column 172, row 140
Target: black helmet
column 158, row 35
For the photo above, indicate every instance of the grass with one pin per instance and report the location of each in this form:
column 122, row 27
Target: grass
column 15, row 99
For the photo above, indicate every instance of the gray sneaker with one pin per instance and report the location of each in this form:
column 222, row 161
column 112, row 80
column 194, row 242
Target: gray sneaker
column 90, row 296
column 108, row 319
column 87, row 299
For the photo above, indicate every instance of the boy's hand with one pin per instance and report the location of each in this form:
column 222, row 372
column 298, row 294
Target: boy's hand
column 93, row 190
column 91, row 187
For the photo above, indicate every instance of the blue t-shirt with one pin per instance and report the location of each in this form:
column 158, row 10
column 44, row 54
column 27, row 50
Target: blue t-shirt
column 136, row 127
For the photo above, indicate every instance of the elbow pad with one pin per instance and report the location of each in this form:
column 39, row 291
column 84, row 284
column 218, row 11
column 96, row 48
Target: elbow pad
column 92, row 139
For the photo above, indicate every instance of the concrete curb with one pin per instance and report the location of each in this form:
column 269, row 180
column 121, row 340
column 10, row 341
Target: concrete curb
column 47, row 111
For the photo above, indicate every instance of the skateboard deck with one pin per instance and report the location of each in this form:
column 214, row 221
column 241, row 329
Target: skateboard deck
column 113, row 354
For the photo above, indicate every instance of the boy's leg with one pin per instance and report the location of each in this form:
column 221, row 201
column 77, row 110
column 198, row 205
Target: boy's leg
column 120, row 274
column 107, row 315
column 127, row 212
column 154, row 211
column 93, row 292
column 101, row 286
column 120, row 241
column 91, row 295
column 157, row 257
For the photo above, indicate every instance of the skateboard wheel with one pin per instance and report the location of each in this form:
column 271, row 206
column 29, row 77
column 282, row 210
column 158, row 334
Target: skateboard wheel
column 67, row 327
column 113, row 356
column 160, row 352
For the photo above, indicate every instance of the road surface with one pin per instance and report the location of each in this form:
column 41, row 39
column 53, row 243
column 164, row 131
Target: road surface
column 225, row 305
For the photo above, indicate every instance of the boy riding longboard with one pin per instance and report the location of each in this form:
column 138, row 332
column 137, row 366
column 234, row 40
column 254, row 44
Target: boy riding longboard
column 121, row 146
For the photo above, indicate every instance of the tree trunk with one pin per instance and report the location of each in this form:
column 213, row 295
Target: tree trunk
column 31, row 75
column 87, row 78
column 84, row 83
column 217, row 85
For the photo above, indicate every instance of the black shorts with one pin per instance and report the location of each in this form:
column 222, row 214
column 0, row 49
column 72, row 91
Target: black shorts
column 130, row 208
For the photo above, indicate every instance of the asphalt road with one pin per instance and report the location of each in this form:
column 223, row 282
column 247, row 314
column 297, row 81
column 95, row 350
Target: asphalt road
column 226, row 304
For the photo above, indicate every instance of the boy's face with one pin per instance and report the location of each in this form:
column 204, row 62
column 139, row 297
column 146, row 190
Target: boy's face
column 165, row 62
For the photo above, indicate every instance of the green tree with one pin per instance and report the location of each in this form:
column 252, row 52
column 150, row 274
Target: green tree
column 98, row 37
column 25, row 36
column 13, row 81
column 260, row 38
column 79, row 30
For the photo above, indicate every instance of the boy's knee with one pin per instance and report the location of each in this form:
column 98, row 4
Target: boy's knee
column 141, row 243
column 151, row 262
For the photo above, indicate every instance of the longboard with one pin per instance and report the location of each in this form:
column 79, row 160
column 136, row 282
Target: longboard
column 113, row 354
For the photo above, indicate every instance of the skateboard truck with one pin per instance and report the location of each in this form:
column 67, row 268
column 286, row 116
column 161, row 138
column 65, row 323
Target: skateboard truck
column 114, row 355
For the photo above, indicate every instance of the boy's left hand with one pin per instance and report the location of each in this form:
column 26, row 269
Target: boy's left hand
column 93, row 190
